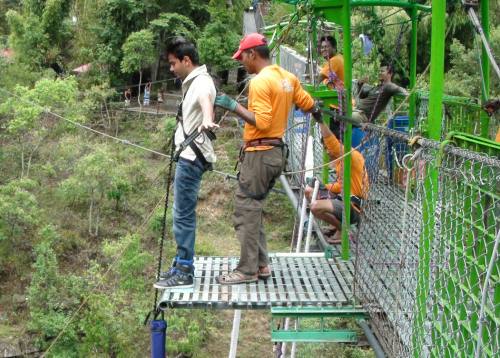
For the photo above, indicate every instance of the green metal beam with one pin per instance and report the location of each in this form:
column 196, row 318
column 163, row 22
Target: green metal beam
column 413, row 67
column 485, row 64
column 336, row 336
column 346, row 23
column 304, row 312
column 431, row 179
column 393, row 3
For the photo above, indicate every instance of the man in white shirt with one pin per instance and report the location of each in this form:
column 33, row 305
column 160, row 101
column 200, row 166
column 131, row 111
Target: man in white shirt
column 195, row 114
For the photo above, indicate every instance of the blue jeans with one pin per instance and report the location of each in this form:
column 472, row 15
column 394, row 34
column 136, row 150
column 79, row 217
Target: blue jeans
column 186, row 187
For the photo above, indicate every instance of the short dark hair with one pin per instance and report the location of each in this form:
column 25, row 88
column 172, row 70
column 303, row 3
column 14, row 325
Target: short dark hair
column 262, row 50
column 329, row 39
column 390, row 67
column 180, row 47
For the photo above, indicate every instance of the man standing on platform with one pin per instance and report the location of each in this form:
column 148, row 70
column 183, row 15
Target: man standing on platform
column 195, row 113
column 272, row 93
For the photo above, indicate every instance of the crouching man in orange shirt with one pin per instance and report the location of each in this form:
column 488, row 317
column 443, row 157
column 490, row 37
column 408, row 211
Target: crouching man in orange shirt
column 271, row 95
column 329, row 207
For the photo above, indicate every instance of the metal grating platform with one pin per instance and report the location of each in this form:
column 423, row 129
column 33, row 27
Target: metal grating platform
column 297, row 280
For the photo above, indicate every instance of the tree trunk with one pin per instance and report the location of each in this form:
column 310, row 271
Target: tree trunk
column 90, row 215
column 139, row 92
column 22, row 158
column 97, row 216
column 31, row 156
column 155, row 68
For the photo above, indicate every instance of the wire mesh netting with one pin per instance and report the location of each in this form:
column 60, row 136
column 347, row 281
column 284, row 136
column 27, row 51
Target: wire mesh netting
column 426, row 249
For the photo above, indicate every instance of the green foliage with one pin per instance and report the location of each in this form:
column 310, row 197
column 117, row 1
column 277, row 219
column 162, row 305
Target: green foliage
column 52, row 297
column 25, row 112
column 26, row 118
column 196, row 10
column 231, row 10
column 110, row 323
column 173, row 24
column 138, row 51
column 187, row 334
column 27, row 38
column 217, row 44
column 39, row 32
column 365, row 67
column 19, row 212
column 98, row 176
column 132, row 263
column 6, row 5
column 464, row 76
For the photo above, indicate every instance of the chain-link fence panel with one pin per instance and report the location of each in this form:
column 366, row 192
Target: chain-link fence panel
column 426, row 251
column 464, row 298
column 299, row 133
column 450, row 225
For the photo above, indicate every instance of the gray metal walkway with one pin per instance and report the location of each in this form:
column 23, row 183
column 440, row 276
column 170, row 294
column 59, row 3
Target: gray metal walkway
column 297, row 280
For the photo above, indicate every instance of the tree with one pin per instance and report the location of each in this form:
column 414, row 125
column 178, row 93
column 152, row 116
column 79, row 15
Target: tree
column 96, row 100
column 29, row 123
column 217, row 44
column 97, row 176
column 169, row 25
column 39, row 32
column 52, row 297
column 138, row 52
column 19, row 218
column 464, row 76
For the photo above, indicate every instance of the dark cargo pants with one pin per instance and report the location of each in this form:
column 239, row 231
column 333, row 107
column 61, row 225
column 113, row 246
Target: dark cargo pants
column 258, row 173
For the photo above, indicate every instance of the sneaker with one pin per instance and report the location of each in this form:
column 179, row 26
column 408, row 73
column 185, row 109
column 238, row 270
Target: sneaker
column 165, row 275
column 182, row 277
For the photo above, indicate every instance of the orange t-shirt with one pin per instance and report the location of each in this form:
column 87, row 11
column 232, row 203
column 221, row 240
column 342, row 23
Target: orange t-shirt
column 333, row 70
column 359, row 177
column 270, row 97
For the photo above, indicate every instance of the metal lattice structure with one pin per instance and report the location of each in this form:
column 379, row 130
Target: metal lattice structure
column 462, row 299
column 426, row 241
column 305, row 280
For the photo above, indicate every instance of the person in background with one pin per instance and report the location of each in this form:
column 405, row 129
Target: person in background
column 147, row 93
column 332, row 72
column 161, row 96
column 271, row 95
column 128, row 96
column 373, row 99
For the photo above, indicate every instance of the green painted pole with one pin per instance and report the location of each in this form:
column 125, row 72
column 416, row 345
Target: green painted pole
column 346, row 24
column 413, row 67
column 395, row 3
column 485, row 63
column 431, row 179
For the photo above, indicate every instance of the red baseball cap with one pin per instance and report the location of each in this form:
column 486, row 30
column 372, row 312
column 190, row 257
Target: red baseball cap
column 249, row 41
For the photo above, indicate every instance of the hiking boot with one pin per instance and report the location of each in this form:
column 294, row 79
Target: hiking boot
column 182, row 277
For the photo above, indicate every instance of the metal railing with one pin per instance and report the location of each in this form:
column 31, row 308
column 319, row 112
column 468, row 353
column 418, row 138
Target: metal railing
column 426, row 252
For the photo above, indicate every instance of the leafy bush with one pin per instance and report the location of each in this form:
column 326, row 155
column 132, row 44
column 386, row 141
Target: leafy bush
column 217, row 44
column 52, row 297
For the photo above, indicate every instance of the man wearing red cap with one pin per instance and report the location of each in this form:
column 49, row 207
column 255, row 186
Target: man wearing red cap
column 271, row 95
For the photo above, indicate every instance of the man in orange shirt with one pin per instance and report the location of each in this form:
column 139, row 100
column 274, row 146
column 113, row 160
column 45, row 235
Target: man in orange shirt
column 332, row 73
column 271, row 95
column 330, row 208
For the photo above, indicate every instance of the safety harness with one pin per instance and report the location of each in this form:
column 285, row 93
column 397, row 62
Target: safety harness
column 189, row 140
